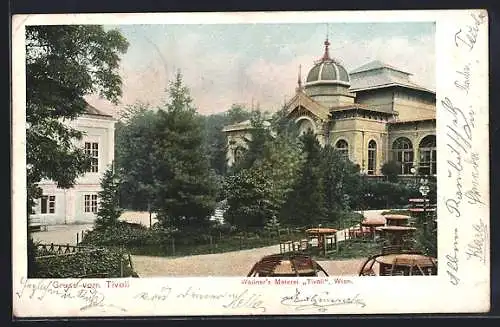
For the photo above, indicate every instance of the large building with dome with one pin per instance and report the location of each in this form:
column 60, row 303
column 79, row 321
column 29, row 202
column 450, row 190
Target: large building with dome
column 372, row 115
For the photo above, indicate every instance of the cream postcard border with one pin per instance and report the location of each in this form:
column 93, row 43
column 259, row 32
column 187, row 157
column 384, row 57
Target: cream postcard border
column 463, row 281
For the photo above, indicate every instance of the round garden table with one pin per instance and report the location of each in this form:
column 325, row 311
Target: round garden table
column 406, row 264
column 373, row 223
column 396, row 220
column 395, row 234
column 321, row 234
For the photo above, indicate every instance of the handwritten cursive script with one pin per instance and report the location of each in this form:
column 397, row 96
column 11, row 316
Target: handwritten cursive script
column 477, row 248
column 79, row 291
column 459, row 143
column 467, row 37
column 474, row 195
column 230, row 300
column 321, row 301
column 452, row 261
column 463, row 80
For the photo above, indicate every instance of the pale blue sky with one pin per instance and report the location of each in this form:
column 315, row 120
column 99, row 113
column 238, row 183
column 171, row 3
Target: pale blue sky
column 225, row 64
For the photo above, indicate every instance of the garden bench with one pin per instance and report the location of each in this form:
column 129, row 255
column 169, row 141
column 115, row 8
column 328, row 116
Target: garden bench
column 35, row 224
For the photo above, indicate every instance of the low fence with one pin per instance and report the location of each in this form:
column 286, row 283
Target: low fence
column 56, row 249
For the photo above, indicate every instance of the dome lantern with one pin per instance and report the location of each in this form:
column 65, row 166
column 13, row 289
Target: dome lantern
column 327, row 71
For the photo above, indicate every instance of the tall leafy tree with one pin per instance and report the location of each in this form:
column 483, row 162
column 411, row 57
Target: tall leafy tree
column 63, row 65
column 134, row 153
column 109, row 199
column 259, row 188
column 341, row 182
column 305, row 204
column 185, row 187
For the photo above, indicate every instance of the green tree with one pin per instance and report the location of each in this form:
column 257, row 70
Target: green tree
column 237, row 113
column 134, row 152
column 391, row 170
column 64, row 64
column 248, row 198
column 109, row 200
column 304, row 205
column 342, row 183
column 185, row 187
column 258, row 190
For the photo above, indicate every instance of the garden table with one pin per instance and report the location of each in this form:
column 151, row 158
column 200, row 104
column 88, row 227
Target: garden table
column 321, row 234
column 373, row 223
column 395, row 234
column 407, row 264
column 396, row 220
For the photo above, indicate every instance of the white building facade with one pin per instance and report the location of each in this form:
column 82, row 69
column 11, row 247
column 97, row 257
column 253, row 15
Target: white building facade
column 80, row 203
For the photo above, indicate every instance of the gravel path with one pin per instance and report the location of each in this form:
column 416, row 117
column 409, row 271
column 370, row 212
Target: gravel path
column 61, row 234
column 237, row 263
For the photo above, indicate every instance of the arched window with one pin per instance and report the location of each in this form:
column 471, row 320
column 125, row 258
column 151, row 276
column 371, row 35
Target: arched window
column 305, row 126
column 403, row 153
column 343, row 148
column 238, row 153
column 427, row 149
column 372, row 157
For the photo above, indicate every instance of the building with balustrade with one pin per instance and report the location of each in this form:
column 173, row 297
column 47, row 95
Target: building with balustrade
column 372, row 115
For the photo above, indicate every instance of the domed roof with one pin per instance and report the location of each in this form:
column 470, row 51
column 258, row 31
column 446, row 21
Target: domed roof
column 328, row 71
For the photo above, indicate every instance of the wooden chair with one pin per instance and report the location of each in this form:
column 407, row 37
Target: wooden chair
column 286, row 245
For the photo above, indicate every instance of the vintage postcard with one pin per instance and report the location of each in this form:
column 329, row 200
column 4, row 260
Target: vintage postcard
column 262, row 163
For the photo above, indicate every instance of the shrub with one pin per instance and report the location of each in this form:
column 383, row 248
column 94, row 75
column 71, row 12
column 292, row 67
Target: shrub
column 380, row 195
column 94, row 263
column 391, row 169
column 124, row 234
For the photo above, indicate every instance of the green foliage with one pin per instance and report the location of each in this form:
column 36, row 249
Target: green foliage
column 123, row 234
column 305, row 203
column 380, row 195
column 237, row 113
column 259, row 137
column 263, row 178
column 32, row 251
column 63, row 64
column 391, row 169
column 185, row 187
column 134, row 146
column 109, row 200
column 341, row 182
column 98, row 262
column 248, row 195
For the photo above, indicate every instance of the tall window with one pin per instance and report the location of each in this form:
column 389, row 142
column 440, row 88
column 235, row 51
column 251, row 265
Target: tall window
column 372, row 157
column 90, row 203
column 403, row 153
column 343, row 148
column 427, row 149
column 48, row 204
column 92, row 149
column 238, row 154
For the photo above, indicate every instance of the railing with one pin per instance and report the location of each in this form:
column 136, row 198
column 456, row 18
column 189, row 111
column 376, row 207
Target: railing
column 58, row 249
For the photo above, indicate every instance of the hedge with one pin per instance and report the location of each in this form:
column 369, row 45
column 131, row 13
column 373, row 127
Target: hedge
column 86, row 264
